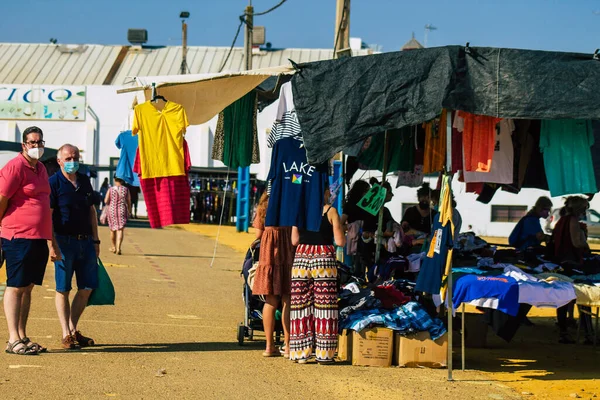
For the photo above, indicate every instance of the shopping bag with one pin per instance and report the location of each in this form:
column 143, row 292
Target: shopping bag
column 104, row 295
column 103, row 215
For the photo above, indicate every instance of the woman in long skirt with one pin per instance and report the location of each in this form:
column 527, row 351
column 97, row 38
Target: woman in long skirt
column 314, row 314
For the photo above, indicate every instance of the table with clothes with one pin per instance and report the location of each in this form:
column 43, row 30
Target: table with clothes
column 506, row 292
column 391, row 304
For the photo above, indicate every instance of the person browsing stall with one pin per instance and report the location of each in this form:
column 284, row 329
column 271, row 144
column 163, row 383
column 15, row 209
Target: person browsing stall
column 528, row 232
column 314, row 309
column 568, row 246
column 75, row 246
column 419, row 218
column 26, row 226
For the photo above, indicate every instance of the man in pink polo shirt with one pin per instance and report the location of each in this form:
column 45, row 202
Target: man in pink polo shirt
column 26, row 224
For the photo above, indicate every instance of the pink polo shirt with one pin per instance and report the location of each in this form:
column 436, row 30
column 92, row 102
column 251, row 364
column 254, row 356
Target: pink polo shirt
column 28, row 213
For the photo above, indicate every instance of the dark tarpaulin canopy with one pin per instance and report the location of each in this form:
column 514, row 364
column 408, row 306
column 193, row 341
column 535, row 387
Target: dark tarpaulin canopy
column 341, row 102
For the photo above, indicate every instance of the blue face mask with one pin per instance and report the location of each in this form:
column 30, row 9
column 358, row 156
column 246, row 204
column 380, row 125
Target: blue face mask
column 71, row 167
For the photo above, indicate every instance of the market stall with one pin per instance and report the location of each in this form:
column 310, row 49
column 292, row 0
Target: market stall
column 499, row 116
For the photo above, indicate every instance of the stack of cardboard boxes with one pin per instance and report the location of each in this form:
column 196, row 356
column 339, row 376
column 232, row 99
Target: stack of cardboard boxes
column 382, row 347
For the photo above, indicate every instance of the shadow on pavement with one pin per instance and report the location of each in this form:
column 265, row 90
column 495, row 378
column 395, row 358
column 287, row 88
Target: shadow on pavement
column 534, row 354
column 174, row 347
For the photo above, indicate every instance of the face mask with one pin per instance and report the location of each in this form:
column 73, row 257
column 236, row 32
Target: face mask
column 423, row 205
column 71, row 167
column 35, row 152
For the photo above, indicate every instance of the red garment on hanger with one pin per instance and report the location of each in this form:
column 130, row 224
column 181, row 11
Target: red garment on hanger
column 479, row 140
column 167, row 198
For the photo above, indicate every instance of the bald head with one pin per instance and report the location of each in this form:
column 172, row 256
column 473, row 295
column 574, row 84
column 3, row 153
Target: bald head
column 68, row 152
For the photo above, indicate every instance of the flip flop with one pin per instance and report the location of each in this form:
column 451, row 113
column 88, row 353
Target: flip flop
column 271, row 354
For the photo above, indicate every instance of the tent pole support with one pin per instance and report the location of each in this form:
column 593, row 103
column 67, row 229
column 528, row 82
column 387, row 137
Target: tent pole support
column 383, row 180
column 462, row 338
column 449, row 291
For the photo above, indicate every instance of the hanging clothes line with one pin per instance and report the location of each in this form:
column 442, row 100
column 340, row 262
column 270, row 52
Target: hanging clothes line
column 205, row 95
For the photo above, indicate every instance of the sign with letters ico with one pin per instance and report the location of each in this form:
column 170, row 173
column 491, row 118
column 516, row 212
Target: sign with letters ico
column 43, row 102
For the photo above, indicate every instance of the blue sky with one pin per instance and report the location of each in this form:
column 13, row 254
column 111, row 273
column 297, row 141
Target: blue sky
column 567, row 25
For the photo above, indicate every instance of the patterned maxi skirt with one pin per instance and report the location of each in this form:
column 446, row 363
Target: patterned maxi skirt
column 314, row 309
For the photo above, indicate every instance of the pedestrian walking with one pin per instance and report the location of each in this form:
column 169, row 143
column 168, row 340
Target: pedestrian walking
column 75, row 245
column 118, row 201
column 26, row 225
column 103, row 190
column 134, row 193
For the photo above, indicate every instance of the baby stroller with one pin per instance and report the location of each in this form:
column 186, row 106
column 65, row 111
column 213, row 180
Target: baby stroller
column 254, row 304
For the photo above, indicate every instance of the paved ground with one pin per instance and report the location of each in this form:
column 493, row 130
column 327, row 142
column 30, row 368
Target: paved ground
column 175, row 312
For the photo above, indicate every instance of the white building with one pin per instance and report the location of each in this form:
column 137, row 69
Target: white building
column 71, row 93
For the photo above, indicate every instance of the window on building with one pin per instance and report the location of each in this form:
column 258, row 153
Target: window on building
column 508, row 213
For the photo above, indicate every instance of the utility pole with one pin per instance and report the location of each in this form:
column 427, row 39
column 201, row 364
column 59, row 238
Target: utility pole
column 249, row 14
column 183, row 16
column 341, row 39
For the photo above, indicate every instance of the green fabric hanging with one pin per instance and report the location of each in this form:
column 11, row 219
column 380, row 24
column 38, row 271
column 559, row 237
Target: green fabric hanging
column 236, row 138
column 401, row 152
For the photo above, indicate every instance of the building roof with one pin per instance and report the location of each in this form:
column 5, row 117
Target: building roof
column 207, row 60
column 53, row 64
column 412, row 44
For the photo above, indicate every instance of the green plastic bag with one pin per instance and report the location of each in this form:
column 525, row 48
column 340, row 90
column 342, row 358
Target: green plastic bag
column 104, row 295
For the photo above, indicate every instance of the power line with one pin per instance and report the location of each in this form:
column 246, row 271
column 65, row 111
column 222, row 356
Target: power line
column 271, row 9
column 242, row 22
column 237, row 33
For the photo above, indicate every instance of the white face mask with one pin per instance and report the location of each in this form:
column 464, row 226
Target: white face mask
column 35, row 152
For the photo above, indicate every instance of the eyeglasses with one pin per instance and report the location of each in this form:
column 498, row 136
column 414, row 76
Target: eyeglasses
column 39, row 143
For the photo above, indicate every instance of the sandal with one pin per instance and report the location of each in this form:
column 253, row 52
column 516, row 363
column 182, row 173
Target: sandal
column 271, row 354
column 284, row 352
column 22, row 351
column 35, row 346
column 112, row 250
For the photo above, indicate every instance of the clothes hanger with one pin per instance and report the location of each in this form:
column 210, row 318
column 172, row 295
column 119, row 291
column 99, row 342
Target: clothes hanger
column 155, row 95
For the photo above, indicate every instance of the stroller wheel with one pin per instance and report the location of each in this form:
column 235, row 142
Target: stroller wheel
column 241, row 333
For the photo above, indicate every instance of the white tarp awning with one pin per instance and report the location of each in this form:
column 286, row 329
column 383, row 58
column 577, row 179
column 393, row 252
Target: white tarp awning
column 205, row 95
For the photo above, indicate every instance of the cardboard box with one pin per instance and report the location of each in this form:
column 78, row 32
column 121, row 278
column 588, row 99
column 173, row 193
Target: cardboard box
column 373, row 347
column 420, row 351
column 344, row 352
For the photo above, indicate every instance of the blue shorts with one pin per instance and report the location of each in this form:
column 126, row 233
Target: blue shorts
column 26, row 261
column 79, row 258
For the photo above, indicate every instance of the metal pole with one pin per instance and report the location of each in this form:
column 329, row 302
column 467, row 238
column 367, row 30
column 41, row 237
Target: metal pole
column 449, row 273
column 462, row 338
column 183, row 68
column 383, row 179
column 450, row 315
